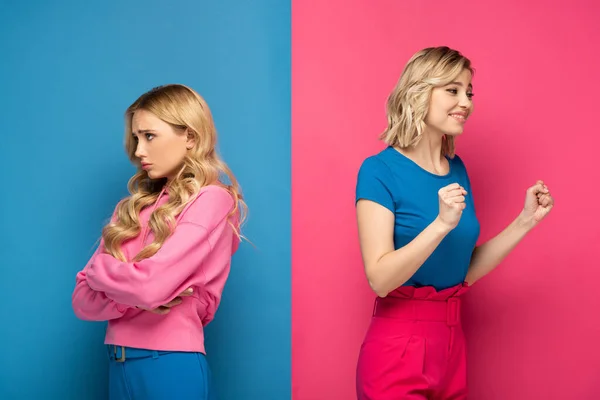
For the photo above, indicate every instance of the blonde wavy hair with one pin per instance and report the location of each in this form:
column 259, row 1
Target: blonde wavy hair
column 408, row 104
column 185, row 110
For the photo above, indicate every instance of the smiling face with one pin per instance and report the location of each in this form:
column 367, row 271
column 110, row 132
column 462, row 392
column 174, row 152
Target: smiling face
column 160, row 147
column 451, row 105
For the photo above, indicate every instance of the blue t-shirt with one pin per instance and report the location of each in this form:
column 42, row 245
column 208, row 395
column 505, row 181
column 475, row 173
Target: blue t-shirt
column 397, row 183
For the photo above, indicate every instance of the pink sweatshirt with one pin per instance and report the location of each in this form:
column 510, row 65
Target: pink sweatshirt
column 197, row 254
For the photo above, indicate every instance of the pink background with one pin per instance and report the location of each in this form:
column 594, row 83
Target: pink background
column 533, row 326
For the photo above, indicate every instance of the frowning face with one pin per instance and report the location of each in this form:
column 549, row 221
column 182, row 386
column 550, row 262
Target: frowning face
column 160, row 147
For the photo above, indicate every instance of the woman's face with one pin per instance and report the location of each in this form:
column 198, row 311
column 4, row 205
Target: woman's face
column 159, row 147
column 451, row 105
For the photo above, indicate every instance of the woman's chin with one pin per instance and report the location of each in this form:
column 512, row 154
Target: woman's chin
column 154, row 175
column 454, row 133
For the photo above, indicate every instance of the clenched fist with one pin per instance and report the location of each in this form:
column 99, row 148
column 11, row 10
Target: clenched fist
column 538, row 203
column 452, row 204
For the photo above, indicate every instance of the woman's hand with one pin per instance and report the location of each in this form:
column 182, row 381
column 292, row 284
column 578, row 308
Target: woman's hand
column 538, row 203
column 452, row 204
column 166, row 308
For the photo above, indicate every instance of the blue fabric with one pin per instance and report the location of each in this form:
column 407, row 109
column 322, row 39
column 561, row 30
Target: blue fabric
column 159, row 375
column 397, row 183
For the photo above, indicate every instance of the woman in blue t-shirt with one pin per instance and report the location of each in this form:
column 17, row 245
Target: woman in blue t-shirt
column 418, row 234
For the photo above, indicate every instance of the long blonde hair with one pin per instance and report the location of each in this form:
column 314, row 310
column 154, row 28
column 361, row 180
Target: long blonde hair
column 408, row 104
column 183, row 109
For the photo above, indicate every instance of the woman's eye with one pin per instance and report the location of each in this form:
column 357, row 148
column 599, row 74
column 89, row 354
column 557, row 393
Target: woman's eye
column 149, row 136
column 453, row 91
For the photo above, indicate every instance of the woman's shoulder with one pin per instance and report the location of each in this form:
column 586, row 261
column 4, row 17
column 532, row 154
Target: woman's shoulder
column 211, row 205
column 217, row 189
column 457, row 162
column 377, row 161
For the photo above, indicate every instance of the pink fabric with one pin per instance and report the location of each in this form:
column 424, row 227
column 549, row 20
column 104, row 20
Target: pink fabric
column 415, row 347
column 198, row 255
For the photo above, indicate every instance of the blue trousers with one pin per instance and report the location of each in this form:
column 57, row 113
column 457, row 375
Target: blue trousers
column 158, row 375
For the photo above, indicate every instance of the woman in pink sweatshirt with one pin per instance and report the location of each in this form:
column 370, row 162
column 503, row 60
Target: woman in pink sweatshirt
column 159, row 271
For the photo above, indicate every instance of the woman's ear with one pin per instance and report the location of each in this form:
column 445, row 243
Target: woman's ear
column 191, row 139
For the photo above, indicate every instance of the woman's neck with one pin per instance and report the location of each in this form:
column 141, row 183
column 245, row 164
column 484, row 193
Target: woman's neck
column 428, row 154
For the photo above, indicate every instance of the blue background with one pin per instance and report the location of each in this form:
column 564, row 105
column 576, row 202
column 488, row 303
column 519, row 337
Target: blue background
column 68, row 71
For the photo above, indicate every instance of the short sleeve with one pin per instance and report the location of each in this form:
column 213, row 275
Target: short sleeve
column 375, row 182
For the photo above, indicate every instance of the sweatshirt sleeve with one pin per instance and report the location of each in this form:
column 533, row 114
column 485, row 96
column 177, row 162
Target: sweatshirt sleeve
column 90, row 305
column 211, row 292
column 176, row 266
